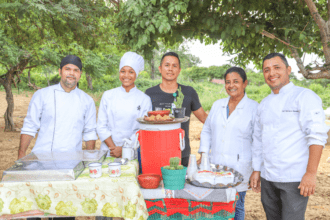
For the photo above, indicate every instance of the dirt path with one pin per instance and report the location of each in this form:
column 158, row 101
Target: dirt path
column 318, row 205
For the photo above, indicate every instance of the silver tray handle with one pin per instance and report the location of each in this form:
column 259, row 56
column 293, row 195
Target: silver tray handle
column 182, row 142
column 136, row 143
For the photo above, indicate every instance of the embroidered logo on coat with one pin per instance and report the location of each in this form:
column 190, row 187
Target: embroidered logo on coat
column 139, row 108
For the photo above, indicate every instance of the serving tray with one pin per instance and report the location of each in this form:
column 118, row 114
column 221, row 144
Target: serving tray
column 238, row 178
column 87, row 156
column 176, row 120
column 33, row 171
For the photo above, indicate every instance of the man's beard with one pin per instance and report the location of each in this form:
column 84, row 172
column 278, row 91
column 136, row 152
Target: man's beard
column 279, row 86
column 70, row 84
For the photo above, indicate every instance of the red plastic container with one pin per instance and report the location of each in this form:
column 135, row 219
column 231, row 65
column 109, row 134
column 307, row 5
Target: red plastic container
column 157, row 147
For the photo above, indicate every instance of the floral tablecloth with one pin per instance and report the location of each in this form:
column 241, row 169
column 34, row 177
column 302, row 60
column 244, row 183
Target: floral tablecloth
column 104, row 196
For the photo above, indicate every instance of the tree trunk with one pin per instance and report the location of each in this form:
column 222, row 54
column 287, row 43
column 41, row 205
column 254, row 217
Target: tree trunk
column 6, row 81
column 32, row 85
column 47, row 79
column 9, row 122
column 89, row 81
column 29, row 77
column 152, row 65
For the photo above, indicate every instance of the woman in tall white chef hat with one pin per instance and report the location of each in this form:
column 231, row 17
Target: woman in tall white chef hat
column 120, row 107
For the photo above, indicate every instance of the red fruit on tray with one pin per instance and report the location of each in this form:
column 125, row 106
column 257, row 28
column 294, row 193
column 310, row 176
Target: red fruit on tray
column 161, row 113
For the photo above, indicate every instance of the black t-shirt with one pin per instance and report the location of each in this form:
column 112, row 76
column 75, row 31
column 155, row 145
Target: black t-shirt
column 164, row 100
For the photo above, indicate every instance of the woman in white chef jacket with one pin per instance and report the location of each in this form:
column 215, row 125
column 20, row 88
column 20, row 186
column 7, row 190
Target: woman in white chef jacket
column 120, row 107
column 228, row 130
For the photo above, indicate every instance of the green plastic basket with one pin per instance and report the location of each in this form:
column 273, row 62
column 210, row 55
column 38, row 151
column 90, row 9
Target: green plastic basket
column 174, row 179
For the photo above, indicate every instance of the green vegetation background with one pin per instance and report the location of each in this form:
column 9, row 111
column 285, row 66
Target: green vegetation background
column 197, row 77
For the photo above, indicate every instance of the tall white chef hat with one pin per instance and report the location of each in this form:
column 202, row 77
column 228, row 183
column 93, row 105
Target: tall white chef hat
column 133, row 60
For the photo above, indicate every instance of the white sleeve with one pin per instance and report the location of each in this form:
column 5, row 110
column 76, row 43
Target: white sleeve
column 89, row 132
column 257, row 158
column 206, row 134
column 146, row 107
column 312, row 119
column 103, row 120
column 33, row 117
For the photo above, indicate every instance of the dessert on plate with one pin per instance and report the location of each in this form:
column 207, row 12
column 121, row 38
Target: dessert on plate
column 214, row 178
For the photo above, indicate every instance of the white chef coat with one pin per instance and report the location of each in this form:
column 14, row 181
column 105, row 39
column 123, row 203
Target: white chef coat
column 63, row 119
column 118, row 112
column 230, row 139
column 286, row 125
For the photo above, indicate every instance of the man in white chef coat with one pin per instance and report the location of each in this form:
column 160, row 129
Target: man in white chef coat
column 289, row 135
column 61, row 114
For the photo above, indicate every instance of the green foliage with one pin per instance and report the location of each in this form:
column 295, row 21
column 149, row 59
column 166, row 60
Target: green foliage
column 144, row 75
column 249, row 29
column 144, row 84
column 50, row 30
column 100, row 84
column 317, row 88
column 196, row 73
column 186, row 59
column 257, row 93
column 254, row 78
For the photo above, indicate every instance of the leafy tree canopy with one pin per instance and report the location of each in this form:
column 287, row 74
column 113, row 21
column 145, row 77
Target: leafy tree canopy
column 186, row 58
column 45, row 31
column 196, row 73
column 38, row 32
column 249, row 28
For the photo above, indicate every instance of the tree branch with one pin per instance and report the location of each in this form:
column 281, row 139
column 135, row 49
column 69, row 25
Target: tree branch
column 317, row 68
column 300, row 64
column 272, row 36
column 115, row 2
column 328, row 10
column 323, row 29
column 33, row 86
column 323, row 73
column 30, row 67
column 13, row 79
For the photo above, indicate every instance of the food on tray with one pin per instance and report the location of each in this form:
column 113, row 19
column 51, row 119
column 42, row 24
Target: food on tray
column 158, row 118
column 224, row 177
column 204, row 177
column 160, row 112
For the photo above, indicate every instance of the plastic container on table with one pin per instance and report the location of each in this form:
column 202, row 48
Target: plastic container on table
column 174, row 179
column 158, row 143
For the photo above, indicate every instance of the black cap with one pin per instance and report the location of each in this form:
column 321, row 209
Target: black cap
column 71, row 59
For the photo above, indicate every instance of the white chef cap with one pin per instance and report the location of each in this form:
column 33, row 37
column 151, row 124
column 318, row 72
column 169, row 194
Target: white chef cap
column 133, row 60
